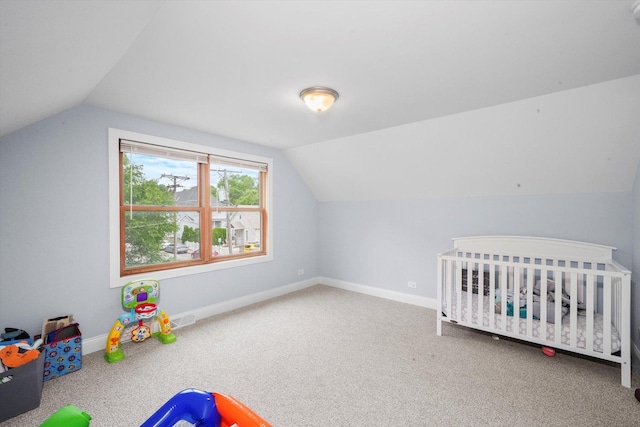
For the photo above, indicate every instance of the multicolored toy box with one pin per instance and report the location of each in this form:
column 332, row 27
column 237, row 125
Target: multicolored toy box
column 63, row 352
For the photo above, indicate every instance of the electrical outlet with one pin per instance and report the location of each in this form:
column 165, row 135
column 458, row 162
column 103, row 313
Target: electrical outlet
column 412, row 284
column 300, row 272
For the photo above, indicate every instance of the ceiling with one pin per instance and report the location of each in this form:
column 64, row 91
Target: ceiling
column 235, row 68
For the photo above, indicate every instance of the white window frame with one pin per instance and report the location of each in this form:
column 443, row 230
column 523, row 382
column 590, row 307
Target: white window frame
column 116, row 281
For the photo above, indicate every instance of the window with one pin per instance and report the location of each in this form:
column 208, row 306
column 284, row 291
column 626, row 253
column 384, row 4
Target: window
column 179, row 208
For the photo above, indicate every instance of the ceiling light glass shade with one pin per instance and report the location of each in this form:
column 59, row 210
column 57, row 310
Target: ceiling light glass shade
column 319, row 98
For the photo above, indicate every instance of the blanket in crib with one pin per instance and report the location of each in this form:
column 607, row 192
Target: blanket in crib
column 598, row 334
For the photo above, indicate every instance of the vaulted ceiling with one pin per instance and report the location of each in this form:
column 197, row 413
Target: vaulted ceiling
column 403, row 70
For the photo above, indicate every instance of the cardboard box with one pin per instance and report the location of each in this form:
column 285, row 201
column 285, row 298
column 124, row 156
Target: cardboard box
column 21, row 388
column 55, row 323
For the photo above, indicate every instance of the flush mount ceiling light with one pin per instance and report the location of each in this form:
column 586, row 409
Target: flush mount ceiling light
column 319, row 98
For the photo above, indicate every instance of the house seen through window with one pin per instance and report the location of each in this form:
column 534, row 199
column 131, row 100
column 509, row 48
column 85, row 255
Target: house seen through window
column 182, row 208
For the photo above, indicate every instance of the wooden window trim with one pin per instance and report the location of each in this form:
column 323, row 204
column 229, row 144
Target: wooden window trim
column 204, row 211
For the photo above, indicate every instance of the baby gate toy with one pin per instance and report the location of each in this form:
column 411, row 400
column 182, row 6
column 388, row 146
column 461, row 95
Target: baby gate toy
column 139, row 296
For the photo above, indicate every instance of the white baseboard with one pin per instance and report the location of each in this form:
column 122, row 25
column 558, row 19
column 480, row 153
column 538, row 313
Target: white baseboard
column 98, row 343
column 381, row 293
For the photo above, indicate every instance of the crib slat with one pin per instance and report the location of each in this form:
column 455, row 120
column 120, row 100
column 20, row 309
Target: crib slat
column 530, row 277
column 543, row 304
column 516, row 300
column 606, row 322
column 469, row 301
column 459, row 291
column 481, row 293
column 582, row 286
column 573, row 310
column 439, row 296
column 557, row 278
column 492, row 296
column 616, row 289
column 503, row 296
column 449, row 287
column 590, row 310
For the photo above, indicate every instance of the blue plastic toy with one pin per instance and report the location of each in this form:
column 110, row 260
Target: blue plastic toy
column 204, row 409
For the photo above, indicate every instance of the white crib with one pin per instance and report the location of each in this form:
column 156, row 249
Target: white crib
column 497, row 284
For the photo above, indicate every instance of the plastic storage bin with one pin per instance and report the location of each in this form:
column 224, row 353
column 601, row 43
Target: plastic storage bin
column 21, row 388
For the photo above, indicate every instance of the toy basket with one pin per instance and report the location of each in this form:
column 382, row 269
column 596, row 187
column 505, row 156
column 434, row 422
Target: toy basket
column 63, row 352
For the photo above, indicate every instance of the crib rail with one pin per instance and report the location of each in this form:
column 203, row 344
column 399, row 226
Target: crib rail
column 578, row 305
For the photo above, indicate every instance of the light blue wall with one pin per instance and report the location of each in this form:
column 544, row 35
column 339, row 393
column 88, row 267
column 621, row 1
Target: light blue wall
column 54, row 228
column 386, row 244
column 54, row 233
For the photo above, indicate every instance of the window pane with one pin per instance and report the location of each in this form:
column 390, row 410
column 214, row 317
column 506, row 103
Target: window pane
column 158, row 237
column 159, row 181
column 234, row 186
column 244, row 229
column 164, row 213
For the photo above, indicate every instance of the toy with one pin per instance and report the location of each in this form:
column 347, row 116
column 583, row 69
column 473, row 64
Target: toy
column 11, row 356
column 548, row 351
column 140, row 297
column 204, row 409
column 67, row 416
column 193, row 406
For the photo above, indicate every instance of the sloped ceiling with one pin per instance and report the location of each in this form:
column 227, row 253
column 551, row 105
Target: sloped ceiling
column 53, row 53
column 410, row 75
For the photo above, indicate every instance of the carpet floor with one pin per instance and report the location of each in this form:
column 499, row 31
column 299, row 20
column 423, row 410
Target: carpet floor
column 328, row 357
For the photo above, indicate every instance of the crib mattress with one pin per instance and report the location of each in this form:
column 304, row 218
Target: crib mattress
column 598, row 334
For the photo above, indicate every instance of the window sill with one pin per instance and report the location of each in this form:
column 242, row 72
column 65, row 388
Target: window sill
column 196, row 269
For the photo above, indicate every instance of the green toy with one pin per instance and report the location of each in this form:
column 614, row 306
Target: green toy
column 140, row 297
column 67, row 416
